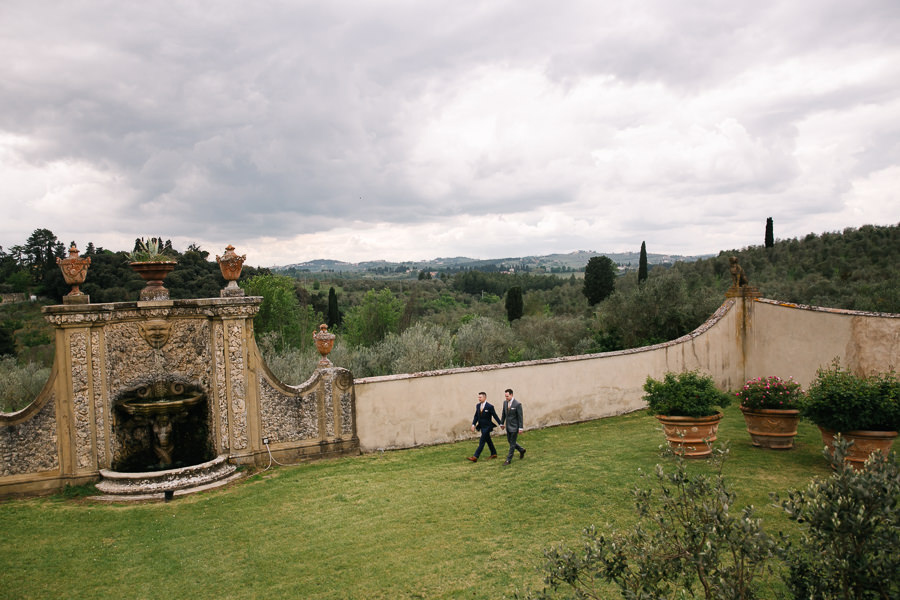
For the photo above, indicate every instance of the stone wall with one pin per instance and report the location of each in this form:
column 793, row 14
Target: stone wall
column 66, row 435
column 105, row 351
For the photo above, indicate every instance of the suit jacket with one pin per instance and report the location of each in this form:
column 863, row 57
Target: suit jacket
column 484, row 419
column 513, row 416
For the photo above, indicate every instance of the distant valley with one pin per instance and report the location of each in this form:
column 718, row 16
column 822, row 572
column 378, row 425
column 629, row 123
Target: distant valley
column 550, row 263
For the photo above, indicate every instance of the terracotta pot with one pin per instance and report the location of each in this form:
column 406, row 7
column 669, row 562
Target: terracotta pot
column 154, row 273
column 773, row 428
column 692, row 437
column 864, row 444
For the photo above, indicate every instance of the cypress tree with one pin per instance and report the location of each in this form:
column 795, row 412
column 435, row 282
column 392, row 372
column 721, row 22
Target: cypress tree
column 334, row 315
column 515, row 306
column 642, row 265
column 770, row 233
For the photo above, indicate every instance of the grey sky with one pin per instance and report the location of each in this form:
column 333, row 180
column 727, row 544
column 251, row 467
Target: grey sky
column 412, row 130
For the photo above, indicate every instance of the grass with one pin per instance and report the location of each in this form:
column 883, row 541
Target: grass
column 419, row 523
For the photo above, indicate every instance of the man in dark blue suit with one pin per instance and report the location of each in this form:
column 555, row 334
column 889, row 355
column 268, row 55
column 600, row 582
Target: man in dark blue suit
column 483, row 421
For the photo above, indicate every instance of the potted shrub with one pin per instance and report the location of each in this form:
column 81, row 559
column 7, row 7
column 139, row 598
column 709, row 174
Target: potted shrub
column 864, row 409
column 686, row 405
column 151, row 261
column 771, row 410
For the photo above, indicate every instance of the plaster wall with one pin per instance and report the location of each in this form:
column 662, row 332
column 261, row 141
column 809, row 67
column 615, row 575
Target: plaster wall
column 401, row 411
column 795, row 340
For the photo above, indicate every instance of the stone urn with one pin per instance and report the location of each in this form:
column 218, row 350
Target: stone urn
column 324, row 344
column 230, row 264
column 864, row 444
column 691, row 437
column 74, row 270
column 154, row 272
column 773, row 428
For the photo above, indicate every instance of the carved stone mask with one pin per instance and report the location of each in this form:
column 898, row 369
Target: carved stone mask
column 156, row 332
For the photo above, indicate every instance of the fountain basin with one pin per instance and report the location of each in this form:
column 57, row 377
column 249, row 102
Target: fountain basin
column 153, row 485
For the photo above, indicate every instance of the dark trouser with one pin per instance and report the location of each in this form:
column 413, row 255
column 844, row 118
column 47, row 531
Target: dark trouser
column 513, row 446
column 485, row 439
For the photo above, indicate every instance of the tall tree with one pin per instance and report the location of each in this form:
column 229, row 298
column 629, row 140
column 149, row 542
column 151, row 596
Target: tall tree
column 515, row 306
column 334, row 314
column 369, row 322
column 280, row 312
column 599, row 279
column 642, row 265
column 770, row 233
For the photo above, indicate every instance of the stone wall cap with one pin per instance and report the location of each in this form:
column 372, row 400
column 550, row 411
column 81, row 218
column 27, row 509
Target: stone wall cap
column 65, row 309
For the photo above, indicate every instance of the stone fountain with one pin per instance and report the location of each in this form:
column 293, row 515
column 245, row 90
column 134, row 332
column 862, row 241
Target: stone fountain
column 162, row 397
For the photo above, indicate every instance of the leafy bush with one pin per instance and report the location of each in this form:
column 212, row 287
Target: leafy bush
column 420, row 348
column 484, row 341
column 850, row 546
column 840, row 400
column 20, row 384
column 770, row 392
column 687, row 394
column 686, row 544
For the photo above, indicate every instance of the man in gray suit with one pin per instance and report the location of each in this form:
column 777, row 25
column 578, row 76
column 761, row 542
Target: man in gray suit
column 514, row 422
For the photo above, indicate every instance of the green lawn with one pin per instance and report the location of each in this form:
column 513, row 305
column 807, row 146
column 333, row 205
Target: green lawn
column 420, row 523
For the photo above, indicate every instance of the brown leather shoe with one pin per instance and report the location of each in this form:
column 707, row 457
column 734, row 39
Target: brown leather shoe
column 506, row 463
column 493, row 456
column 473, row 458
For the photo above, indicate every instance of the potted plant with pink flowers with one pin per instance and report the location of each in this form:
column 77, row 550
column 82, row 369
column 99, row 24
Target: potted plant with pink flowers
column 771, row 410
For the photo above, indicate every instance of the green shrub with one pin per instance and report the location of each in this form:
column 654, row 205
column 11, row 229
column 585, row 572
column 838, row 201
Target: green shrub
column 20, row 384
column 840, row 400
column 686, row 544
column 687, row 394
column 850, row 546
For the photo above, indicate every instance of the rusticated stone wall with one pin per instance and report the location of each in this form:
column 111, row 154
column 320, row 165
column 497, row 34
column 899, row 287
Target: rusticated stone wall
column 105, row 350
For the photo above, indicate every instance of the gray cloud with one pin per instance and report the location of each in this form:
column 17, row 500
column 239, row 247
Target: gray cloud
column 395, row 128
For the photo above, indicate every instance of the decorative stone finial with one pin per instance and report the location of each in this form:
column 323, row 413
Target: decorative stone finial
column 324, row 344
column 74, row 270
column 230, row 264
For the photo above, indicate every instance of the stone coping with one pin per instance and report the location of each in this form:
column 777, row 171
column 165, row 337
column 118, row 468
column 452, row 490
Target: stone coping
column 836, row 311
column 78, row 315
column 63, row 309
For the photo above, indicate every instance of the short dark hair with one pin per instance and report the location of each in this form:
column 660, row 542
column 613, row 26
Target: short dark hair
column 509, row 391
column 482, row 394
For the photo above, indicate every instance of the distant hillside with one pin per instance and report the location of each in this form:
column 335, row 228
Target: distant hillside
column 573, row 261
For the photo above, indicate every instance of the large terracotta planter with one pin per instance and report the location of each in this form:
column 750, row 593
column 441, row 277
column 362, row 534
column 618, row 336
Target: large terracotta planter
column 773, row 428
column 864, row 444
column 153, row 273
column 691, row 437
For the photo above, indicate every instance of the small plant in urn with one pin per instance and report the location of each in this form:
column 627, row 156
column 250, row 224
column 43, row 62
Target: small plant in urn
column 230, row 264
column 324, row 344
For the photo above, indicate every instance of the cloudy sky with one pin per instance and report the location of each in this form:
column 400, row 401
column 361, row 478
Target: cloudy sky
column 408, row 130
